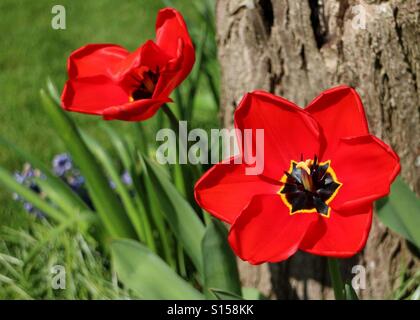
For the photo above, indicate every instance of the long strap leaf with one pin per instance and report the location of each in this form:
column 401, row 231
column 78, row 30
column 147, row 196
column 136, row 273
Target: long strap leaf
column 142, row 271
column 183, row 220
column 109, row 208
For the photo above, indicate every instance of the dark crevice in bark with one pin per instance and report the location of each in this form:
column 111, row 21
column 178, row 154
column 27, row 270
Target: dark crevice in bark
column 383, row 236
column 414, row 250
column 272, row 84
column 305, row 290
column 303, row 57
column 281, row 284
column 319, row 26
column 280, row 75
column 267, row 14
column 379, row 83
column 238, row 10
column 398, row 30
column 275, row 75
column 325, row 278
column 395, row 250
column 287, row 16
column 344, row 5
column 385, row 81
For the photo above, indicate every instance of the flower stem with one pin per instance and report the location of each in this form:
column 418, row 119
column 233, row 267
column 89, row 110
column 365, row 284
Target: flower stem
column 172, row 117
column 190, row 173
column 337, row 282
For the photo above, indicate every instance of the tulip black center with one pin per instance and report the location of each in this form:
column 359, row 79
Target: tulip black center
column 309, row 186
column 144, row 83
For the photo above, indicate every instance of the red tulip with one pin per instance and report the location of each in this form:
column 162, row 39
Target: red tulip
column 107, row 80
column 322, row 172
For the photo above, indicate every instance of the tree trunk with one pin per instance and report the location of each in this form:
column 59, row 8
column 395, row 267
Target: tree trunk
column 297, row 49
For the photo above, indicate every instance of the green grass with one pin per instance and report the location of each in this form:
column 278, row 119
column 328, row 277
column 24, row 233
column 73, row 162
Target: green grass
column 28, row 255
column 30, row 51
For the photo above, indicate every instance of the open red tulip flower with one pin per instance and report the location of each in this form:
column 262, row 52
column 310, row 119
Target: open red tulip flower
column 322, row 171
column 107, row 80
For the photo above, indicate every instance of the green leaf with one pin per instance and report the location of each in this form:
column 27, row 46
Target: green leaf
column 219, row 262
column 350, row 293
column 416, row 294
column 128, row 201
column 109, row 208
column 224, row 295
column 120, row 146
column 252, row 294
column 151, row 199
column 408, row 283
column 140, row 219
column 52, row 91
column 196, row 74
column 183, row 220
column 146, row 274
column 401, row 211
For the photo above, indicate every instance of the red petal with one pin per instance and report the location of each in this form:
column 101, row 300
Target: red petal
column 225, row 189
column 167, row 82
column 173, row 38
column 95, row 59
column 92, row 95
column 339, row 113
column 289, row 131
column 341, row 235
column 366, row 167
column 170, row 27
column 134, row 111
column 266, row 232
column 149, row 54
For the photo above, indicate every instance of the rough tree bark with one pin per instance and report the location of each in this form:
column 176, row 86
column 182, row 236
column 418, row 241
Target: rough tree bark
column 296, row 49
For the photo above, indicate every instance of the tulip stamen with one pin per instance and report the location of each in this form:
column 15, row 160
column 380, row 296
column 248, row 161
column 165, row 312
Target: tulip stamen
column 148, row 83
column 309, row 186
column 305, row 173
column 143, row 81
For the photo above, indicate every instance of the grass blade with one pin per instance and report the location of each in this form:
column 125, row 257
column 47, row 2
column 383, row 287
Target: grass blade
column 60, row 187
column 9, row 182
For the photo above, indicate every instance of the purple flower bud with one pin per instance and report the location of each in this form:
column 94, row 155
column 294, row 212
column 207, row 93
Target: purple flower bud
column 126, row 178
column 62, row 163
column 76, row 181
column 19, row 177
column 28, row 207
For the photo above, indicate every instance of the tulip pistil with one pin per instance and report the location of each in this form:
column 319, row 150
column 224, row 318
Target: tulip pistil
column 305, row 173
